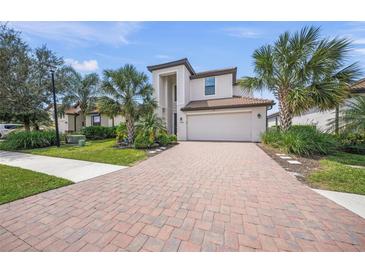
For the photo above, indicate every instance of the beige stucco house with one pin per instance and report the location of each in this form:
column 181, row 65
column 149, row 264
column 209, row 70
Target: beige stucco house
column 72, row 120
column 206, row 105
column 320, row 119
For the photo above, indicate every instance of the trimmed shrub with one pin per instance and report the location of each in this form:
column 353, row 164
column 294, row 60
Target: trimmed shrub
column 173, row 138
column 352, row 142
column 301, row 140
column 163, row 139
column 143, row 141
column 29, row 139
column 98, row 132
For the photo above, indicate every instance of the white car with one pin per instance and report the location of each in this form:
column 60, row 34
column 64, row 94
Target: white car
column 5, row 129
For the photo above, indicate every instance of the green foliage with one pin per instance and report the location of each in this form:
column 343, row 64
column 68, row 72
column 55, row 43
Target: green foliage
column 173, row 138
column 353, row 142
column 131, row 91
column 303, row 71
column 353, row 117
column 151, row 125
column 25, row 78
column 29, row 139
column 98, row 132
column 81, row 90
column 122, row 133
column 301, row 140
column 143, row 141
column 163, row 139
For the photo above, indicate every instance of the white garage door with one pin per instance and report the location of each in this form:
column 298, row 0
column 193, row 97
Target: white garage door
column 235, row 126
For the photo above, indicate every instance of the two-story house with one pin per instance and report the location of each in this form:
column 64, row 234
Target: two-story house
column 206, row 105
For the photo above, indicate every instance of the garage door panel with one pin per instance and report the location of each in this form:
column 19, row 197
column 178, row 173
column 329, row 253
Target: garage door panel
column 220, row 127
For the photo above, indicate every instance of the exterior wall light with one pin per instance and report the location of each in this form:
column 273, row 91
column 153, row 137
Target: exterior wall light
column 259, row 115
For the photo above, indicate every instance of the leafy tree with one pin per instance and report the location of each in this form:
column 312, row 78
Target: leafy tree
column 303, row 71
column 80, row 90
column 25, row 89
column 132, row 92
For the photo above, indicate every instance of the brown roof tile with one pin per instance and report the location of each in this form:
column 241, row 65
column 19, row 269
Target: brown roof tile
column 234, row 102
column 358, row 86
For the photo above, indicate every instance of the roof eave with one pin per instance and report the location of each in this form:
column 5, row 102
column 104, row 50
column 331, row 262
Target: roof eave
column 226, row 107
column 183, row 61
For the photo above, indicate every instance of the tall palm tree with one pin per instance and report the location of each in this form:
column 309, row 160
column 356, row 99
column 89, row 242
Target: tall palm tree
column 130, row 90
column 303, row 71
column 81, row 90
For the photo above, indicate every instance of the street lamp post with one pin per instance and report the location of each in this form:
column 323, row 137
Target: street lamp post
column 55, row 110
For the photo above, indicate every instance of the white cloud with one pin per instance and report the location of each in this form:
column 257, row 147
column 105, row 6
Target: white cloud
column 360, row 41
column 242, row 32
column 360, row 51
column 83, row 66
column 81, row 33
column 162, row 56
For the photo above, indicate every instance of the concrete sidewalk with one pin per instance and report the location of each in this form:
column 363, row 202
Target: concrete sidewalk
column 74, row 170
column 353, row 202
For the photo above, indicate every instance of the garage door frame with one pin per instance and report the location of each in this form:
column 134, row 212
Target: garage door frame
column 215, row 112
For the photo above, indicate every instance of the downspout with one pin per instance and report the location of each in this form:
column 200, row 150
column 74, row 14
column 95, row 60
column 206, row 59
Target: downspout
column 75, row 123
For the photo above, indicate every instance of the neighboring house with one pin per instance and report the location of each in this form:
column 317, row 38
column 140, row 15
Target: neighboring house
column 206, row 105
column 72, row 119
column 320, row 119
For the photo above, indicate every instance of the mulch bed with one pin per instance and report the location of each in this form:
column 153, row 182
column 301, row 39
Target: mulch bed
column 309, row 164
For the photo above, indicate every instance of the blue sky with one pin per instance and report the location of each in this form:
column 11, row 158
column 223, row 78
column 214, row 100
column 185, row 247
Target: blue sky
column 94, row 46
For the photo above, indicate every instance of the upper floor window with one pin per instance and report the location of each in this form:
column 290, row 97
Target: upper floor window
column 210, row 86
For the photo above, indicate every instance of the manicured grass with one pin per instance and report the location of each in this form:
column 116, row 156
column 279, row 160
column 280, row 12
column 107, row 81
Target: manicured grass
column 336, row 175
column 348, row 159
column 17, row 183
column 95, row 151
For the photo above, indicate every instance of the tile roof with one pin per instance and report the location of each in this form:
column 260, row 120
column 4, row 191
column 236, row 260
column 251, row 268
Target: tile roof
column 234, row 102
column 359, row 86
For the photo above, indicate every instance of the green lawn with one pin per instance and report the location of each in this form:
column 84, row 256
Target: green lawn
column 95, row 151
column 17, row 183
column 336, row 175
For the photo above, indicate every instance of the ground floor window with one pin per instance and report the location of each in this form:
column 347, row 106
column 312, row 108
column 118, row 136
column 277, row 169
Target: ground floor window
column 95, row 120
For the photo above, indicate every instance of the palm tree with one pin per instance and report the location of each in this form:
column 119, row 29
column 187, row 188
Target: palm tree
column 353, row 117
column 131, row 91
column 150, row 125
column 108, row 107
column 81, row 90
column 303, row 71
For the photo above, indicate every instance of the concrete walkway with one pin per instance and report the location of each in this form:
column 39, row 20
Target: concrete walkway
column 73, row 170
column 353, row 202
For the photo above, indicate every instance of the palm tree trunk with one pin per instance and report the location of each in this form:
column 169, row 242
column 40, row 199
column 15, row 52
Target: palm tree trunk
column 130, row 128
column 285, row 113
column 113, row 121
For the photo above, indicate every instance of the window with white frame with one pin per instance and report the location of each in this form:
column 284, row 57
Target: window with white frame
column 209, row 86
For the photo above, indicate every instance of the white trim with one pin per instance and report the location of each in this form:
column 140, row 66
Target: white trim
column 213, row 111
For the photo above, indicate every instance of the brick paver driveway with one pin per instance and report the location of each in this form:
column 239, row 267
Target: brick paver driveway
column 194, row 197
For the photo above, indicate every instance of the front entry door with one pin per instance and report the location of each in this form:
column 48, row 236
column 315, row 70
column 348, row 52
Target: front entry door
column 175, row 123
